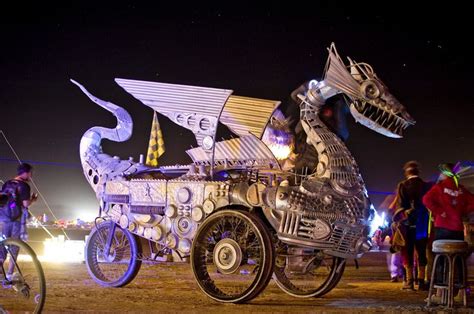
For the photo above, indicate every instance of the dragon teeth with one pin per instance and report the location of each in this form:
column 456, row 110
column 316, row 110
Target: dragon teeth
column 366, row 109
column 385, row 118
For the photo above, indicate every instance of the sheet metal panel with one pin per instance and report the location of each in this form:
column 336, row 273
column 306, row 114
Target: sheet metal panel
column 247, row 148
column 338, row 77
column 244, row 114
column 193, row 107
column 168, row 98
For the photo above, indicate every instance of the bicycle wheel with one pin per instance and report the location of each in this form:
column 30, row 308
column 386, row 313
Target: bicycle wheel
column 121, row 263
column 304, row 273
column 22, row 278
column 232, row 256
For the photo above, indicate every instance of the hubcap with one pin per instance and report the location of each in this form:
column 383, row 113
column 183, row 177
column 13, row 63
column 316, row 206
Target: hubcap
column 227, row 256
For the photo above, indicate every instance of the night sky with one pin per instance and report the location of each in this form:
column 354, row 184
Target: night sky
column 421, row 55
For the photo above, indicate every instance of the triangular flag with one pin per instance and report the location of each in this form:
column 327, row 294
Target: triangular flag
column 156, row 145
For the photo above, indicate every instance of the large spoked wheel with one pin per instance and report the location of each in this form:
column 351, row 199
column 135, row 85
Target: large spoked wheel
column 22, row 278
column 112, row 255
column 232, row 256
column 307, row 273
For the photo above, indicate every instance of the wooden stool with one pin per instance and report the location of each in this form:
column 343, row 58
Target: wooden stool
column 449, row 251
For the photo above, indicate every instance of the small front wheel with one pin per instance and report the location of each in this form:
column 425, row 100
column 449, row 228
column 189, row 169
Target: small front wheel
column 112, row 255
column 232, row 256
column 22, row 278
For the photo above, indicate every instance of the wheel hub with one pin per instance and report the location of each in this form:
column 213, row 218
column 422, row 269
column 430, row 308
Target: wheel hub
column 109, row 258
column 227, row 256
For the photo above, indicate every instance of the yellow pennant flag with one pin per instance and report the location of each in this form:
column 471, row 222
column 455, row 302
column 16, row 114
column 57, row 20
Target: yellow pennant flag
column 156, row 145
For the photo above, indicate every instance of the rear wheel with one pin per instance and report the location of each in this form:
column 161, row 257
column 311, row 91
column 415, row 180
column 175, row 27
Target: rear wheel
column 306, row 273
column 22, row 278
column 232, row 256
column 112, row 255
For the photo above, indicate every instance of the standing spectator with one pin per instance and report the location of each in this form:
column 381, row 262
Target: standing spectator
column 394, row 262
column 13, row 214
column 410, row 193
column 448, row 202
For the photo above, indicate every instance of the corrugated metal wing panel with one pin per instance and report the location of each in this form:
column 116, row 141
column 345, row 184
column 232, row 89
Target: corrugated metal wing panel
column 243, row 149
column 192, row 107
column 167, row 98
column 244, row 114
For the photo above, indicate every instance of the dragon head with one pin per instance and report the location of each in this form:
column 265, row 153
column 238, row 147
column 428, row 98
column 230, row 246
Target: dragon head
column 371, row 104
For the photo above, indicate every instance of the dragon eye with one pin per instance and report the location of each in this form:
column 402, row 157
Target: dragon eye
column 370, row 89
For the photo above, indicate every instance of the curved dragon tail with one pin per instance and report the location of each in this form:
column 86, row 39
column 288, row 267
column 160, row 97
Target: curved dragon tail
column 93, row 137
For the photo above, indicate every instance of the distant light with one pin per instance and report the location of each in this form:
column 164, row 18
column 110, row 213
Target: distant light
column 87, row 215
column 58, row 250
column 377, row 222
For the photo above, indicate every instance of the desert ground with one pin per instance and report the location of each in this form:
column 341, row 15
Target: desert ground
column 170, row 287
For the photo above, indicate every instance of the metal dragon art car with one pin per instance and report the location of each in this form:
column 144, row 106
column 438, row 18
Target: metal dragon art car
column 237, row 212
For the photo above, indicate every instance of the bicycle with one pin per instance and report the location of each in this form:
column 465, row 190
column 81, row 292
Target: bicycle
column 23, row 285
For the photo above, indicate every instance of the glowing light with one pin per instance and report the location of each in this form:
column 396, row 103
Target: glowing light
column 312, row 83
column 58, row 250
column 278, row 137
column 377, row 222
column 86, row 215
column 280, row 151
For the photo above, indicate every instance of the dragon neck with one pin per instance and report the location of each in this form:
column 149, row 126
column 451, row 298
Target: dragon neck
column 335, row 162
column 99, row 167
column 92, row 138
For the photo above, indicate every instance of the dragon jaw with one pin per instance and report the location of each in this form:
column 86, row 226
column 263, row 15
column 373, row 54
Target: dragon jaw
column 381, row 119
column 377, row 109
column 371, row 104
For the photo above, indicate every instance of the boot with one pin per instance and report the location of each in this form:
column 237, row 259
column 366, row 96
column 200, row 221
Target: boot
column 422, row 285
column 408, row 283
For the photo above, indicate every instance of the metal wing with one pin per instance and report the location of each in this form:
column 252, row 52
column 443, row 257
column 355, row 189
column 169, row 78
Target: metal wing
column 239, row 152
column 244, row 115
column 192, row 107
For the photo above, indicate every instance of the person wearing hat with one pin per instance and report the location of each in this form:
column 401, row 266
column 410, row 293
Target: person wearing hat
column 415, row 224
column 13, row 217
column 449, row 201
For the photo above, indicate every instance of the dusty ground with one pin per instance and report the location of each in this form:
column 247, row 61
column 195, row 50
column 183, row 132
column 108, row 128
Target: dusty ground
column 171, row 288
